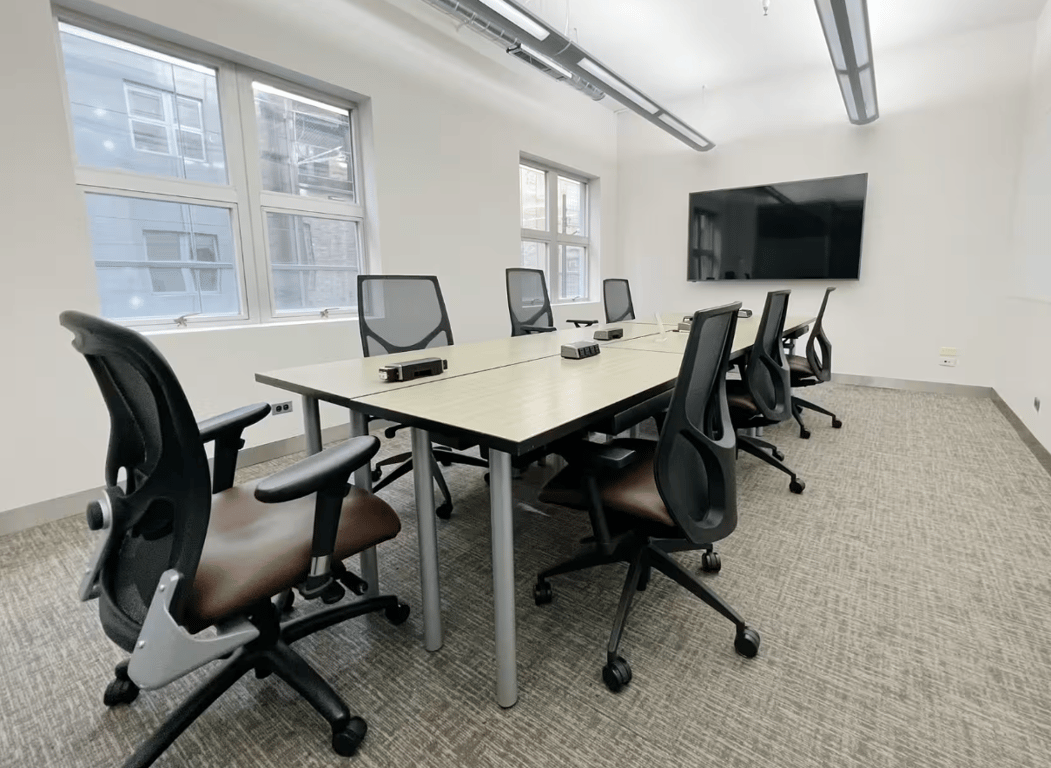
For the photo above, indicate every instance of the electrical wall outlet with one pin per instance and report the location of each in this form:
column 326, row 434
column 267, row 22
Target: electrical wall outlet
column 282, row 408
column 948, row 362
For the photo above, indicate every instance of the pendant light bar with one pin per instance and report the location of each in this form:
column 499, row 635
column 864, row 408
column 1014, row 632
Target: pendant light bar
column 846, row 27
column 541, row 43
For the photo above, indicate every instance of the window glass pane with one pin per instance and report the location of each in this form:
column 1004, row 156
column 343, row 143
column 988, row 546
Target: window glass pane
column 572, row 216
column 314, row 262
column 129, row 105
column 573, row 273
column 533, row 185
column 145, row 253
column 534, row 255
column 304, row 145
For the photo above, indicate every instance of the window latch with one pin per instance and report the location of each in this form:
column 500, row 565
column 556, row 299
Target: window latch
column 326, row 310
column 181, row 319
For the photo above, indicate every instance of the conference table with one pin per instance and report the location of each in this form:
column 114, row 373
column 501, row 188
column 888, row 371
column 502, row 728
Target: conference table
column 512, row 396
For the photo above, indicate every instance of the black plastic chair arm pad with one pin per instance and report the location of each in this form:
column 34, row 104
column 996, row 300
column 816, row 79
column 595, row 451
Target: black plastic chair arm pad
column 391, row 432
column 797, row 333
column 595, row 457
column 329, row 469
column 585, row 323
column 232, row 423
column 538, row 328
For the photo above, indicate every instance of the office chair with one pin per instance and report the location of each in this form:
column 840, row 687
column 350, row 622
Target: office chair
column 813, row 369
column 649, row 499
column 529, row 303
column 616, row 300
column 183, row 552
column 762, row 396
column 399, row 313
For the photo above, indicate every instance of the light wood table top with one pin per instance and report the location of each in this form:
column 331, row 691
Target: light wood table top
column 344, row 381
column 521, row 407
column 674, row 342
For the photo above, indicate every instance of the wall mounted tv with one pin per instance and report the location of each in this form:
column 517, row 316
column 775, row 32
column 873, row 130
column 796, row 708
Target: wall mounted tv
column 791, row 231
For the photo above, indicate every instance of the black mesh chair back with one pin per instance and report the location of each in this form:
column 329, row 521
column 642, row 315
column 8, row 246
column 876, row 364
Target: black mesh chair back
column 160, row 517
column 695, row 463
column 820, row 362
column 616, row 299
column 398, row 313
column 527, row 300
column 767, row 374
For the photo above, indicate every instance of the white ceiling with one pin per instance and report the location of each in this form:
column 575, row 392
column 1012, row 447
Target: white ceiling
column 672, row 48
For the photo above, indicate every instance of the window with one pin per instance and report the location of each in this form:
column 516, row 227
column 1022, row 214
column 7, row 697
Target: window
column 212, row 191
column 554, row 209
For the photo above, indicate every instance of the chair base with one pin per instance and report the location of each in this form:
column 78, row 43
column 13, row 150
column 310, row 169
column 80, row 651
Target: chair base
column 440, row 455
column 771, row 455
column 798, row 404
column 270, row 654
column 643, row 555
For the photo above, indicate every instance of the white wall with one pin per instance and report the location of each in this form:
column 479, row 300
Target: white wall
column 1024, row 370
column 942, row 164
column 448, row 122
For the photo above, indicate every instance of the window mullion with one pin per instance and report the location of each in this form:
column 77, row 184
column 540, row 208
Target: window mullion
column 254, row 218
column 554, row 278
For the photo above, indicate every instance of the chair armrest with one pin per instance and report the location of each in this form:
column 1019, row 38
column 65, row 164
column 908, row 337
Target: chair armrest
column 226, row 430
column 595, row 457
column 624, row 420
column 538, row 328
column 391, row 432
column 582, row 323
column 233, row 422
column 326, row 475
column 797, row 333
column 327, row 471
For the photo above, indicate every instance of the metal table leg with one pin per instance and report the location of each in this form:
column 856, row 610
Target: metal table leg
column 368, row 561
column 503, row 577
column 428, row 539
column 312, row 424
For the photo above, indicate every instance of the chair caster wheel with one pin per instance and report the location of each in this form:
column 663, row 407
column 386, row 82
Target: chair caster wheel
column 542, row 594
column 796, row 486
column 397, row 614
column 616, row 674
column 444, row 510
column 486, row 478
column 121, row 689
column 377, row 475
column 710, row 562
column 333, row 593
column 346, row 741
column 286, row 601
column 804, row 433
column 778, row 454
column 747, row 642
column 837, row 424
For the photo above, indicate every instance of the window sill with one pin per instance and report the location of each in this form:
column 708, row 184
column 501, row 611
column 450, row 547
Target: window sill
column 243, row 326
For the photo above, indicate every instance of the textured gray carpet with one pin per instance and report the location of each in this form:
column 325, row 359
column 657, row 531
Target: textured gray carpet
column 904, row 602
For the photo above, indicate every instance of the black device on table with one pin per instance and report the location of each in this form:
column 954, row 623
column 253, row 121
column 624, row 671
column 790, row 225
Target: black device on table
column 413, row 369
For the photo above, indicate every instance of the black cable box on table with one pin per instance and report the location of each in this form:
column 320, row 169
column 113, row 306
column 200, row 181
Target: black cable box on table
column 413, row 369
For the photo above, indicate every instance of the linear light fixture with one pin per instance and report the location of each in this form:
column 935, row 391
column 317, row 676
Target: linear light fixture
column 530, row 39
column 516, row 16
column 846, row 27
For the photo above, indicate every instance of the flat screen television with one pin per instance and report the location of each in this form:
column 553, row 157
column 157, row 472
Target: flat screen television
column 797, row 230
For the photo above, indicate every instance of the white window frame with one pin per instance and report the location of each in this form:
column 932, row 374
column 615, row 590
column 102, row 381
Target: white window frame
column 552, row 238
column 242, row 194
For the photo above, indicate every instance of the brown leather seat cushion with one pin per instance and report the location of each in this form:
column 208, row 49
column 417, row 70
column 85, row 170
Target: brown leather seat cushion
column 632, row 491
column 800, row 368
column 739, row 398
column 254, row 551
